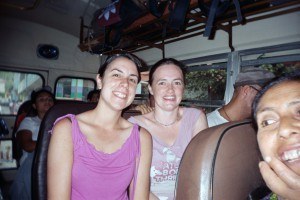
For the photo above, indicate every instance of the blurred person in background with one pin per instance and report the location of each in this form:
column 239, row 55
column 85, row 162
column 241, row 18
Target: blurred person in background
column 247, row 84
column 42, row 100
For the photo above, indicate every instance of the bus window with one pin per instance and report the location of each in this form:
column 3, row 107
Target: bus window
column 15, row 88
column 277, row 59
column 281, row 68
column 71, row 88
column 205, row 86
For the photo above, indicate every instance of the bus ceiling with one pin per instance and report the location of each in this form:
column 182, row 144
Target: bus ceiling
column 106, row 26
column 149, row 31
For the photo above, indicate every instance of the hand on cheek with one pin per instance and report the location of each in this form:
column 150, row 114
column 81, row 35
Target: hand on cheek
column 280, row 179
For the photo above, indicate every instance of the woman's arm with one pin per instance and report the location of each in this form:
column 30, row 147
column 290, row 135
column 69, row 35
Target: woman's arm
column 24, row 137
column 280, row 179
column 142, row 188
column 60, row 161
column 27, row 130
column 201, row 123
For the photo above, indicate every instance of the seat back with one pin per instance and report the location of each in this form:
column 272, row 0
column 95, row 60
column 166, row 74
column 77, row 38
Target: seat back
column 39, row 173
column 220, row 163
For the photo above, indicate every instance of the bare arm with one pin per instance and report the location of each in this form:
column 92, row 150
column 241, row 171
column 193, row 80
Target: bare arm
column 201, row 123
column 25, row 139
column 143, row 177
column 280, row 179
column 60, row 161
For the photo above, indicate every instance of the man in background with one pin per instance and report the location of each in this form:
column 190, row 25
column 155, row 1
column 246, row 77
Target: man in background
column 246, row 86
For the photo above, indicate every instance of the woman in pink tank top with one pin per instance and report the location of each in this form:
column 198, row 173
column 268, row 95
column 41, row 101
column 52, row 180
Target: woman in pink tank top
column 172, row 127
column 98, row 154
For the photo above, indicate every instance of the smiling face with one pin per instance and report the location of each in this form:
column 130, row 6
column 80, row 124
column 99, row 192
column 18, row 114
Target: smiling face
column 118, row 85
column 167, row 86
column 278, row 119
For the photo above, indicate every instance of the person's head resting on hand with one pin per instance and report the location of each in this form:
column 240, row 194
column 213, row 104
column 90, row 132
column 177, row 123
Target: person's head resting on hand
column 247, row 84
column 276, row 113
column 253, row 77
column 42, row 100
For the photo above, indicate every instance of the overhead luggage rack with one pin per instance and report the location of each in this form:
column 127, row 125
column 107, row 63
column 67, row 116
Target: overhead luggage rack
column 148, row 31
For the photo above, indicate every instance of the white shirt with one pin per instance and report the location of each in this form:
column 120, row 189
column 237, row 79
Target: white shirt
column 32, row 124
column 214, row 118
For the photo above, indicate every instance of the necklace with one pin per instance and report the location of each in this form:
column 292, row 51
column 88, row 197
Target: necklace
column 226, row 113
column 163, row 123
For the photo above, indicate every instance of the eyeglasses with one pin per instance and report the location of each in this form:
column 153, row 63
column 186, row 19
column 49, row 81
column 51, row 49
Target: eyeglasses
column 254, row 88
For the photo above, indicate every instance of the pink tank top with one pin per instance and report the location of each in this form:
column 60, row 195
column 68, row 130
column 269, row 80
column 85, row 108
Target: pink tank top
column 98, row 175
column 166, row 159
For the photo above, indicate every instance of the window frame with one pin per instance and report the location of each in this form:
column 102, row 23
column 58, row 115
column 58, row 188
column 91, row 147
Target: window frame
column 235, row 63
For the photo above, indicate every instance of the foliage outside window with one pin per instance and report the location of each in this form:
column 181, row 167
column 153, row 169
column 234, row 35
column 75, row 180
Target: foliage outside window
column 282, row 68
column 205, row 85
column 205, row 88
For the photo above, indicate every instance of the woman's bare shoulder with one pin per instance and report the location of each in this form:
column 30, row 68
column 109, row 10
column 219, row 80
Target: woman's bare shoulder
column 63, row 122
column 63, row 125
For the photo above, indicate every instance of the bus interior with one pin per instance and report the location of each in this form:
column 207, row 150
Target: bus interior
column 61, row 44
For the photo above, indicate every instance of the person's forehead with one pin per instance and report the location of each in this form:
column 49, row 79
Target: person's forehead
column 282, row 92
column 168, row 70
column 122, row 61
column 44, row 94
column 122, row 64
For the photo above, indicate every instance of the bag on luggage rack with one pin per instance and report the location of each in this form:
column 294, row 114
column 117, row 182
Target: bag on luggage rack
column 128, row 12
column 178, row 10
